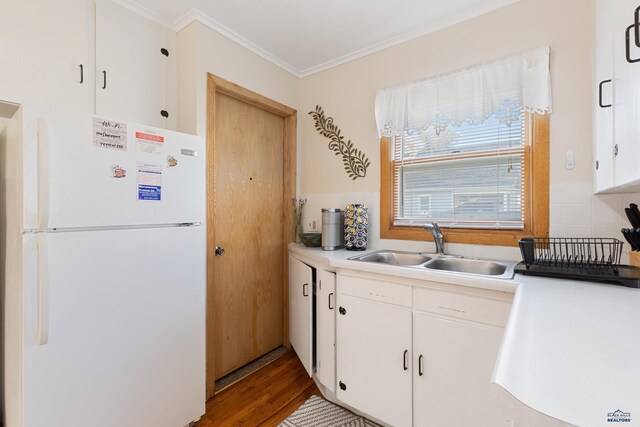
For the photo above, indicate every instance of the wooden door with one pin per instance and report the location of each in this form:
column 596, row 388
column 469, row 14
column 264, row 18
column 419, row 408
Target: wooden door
column 248, row 225
column 301, row 311
column 374, row 359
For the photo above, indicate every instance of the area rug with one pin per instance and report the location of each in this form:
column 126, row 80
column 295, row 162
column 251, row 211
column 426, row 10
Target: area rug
column 317, row 412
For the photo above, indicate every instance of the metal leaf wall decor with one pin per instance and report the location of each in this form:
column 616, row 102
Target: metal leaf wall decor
column 355, row 162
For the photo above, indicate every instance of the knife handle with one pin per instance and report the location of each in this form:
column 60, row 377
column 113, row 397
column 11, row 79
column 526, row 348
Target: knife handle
column 632, row 218
column 636, row 213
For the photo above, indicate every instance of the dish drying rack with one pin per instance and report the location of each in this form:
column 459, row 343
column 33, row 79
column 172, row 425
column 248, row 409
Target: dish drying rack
column 590, row 259
column 572, row 252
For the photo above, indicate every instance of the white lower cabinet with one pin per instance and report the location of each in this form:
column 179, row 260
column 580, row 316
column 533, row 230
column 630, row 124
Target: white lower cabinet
column 301, row 311
column 326, row 329
column 312, row 319
column 454, row 361
column 420, row 356
column 374, row 359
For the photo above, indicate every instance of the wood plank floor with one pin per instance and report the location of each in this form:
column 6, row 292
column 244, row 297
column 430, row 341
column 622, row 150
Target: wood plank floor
column 264, row 398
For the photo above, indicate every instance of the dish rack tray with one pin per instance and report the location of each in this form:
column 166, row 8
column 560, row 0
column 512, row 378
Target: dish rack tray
column 572, row 252
column 589, row 259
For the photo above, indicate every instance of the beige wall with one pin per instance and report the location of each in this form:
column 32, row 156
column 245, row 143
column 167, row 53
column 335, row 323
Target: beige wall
column 347, row 92
column 206, row 51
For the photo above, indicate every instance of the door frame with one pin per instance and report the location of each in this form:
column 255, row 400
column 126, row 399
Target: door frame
column 215, row 86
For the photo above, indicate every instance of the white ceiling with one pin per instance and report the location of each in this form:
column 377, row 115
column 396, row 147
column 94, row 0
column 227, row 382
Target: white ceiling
column 304, row 36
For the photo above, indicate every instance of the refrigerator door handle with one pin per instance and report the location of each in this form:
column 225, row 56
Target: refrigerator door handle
column 43, row 290
column 43, row 174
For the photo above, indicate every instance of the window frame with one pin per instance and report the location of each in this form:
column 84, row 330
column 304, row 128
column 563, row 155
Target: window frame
column 536, row 203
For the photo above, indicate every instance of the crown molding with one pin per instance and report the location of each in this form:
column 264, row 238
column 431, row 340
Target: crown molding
column 146, row 12
column 199, row 16
column 431, row 28
column 203, row 18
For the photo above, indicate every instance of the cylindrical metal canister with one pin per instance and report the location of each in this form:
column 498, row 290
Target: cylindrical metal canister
column 332, row 229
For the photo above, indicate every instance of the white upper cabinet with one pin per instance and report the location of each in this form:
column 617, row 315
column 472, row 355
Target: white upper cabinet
column 135, row 67
column 626, row 105
column 42, row 45
column 603, row 108
column 617, row 96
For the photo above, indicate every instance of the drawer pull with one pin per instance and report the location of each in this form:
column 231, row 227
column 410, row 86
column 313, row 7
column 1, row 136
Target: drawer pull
column 420, row 371
column 405, row 360
column 330, row 306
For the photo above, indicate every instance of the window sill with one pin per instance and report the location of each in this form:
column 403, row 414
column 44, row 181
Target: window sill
column 458, row 235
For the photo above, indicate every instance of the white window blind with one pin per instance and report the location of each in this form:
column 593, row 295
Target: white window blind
column 469, row 176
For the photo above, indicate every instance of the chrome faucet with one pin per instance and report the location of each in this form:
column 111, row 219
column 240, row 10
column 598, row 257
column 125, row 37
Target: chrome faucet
column 438, row 237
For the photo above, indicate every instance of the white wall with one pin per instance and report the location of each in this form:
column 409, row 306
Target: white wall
column 347, row 93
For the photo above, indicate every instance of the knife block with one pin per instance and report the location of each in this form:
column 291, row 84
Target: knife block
column 634, row 258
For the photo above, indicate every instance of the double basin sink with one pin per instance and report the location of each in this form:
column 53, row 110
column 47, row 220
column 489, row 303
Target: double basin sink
column 449, row 263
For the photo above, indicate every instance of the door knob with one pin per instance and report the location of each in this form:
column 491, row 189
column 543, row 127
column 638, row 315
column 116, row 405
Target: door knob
column 219, row 251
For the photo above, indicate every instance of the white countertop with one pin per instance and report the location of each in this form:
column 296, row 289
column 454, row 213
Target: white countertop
column 571, row 350
column 340, row 259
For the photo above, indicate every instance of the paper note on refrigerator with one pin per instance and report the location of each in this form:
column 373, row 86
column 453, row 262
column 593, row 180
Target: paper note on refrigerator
column 149, row 181
column 109, row 134
column 150, row 142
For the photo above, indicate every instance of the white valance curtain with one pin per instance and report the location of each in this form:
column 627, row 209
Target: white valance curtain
column 502, row 87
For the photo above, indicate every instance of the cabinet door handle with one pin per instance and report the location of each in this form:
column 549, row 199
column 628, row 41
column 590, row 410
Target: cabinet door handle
column 420, row 371
column 405, row 360
column 330, row 306
column 636, row 24
column 600, row 94
column 81, row 73
column 104, row 79
column 615, row 150
column 628, row 44
column 304, row 288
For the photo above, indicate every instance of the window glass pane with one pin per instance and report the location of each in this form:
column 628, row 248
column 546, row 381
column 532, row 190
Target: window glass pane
column 484, row 189
column 467, row 176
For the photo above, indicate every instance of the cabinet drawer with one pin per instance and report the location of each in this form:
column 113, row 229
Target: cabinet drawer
column 375, row 290
column 468, row 307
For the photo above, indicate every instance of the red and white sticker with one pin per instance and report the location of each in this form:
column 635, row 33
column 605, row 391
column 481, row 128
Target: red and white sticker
column 150, row 142
column 142, row 136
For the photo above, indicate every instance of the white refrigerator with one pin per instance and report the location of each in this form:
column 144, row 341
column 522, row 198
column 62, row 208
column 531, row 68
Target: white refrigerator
column 103, row 234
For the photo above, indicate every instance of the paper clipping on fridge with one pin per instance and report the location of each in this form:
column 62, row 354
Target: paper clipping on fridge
column 149, row 181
